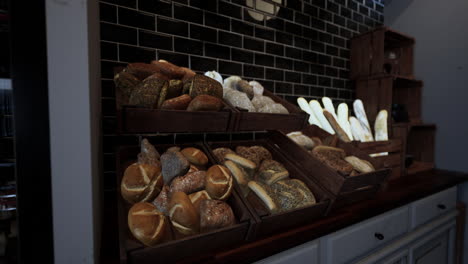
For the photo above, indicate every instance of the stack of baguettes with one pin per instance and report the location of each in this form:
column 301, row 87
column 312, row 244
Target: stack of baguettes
column 175, row 192
column 347, row 128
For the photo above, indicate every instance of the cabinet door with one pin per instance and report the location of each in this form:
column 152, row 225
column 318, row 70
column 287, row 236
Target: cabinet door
column 434, row 251
column 304, row 254
column 400, row 257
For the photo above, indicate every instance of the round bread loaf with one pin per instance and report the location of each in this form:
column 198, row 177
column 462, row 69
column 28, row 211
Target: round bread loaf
column 195, row 156
column 147, row 224
column 218, row 182
column 141, row 182
column 215, row 214
column 183, row 215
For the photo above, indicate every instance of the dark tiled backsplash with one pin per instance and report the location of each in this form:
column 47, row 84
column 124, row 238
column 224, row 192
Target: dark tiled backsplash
column 302, row 51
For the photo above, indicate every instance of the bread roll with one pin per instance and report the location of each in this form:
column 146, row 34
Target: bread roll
column 220, row 153
column 141, row 183
column 126, row 82
column 177, row 103
column 147, row 224
column 193, row 168
column 205, row 103
column 248, row 166
column 215, row 214
column 333, row 158
column 301, row 140
column 195, row 156
column 189, row 183
column 188, row 73
column 239, row 174
column 254, row 153
column 175, row 89
column 173, row 164
column 265, row 193
column 168, row 69
column 360, row 165
column 183, row 215
column 144, row 70
column 198, row 197
column 148, row 154
column 147, row 93
column 271, row 171
column 201, row 84
column 218, row 182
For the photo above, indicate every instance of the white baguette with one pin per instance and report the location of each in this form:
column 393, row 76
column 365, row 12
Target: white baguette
column 380, row 128
column 343, row 119
column 328, row 105
column 356, row 129
column 362, row 117
column 306, row 108
column 318, row 111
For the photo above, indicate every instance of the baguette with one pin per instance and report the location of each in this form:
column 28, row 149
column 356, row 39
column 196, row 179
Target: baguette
column 318, row 111
column 339, row 131
column 343, row 120
column 360, row 165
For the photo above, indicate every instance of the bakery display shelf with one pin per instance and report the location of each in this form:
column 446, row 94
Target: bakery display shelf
column 382, row 50
column 346, row 190
column 252, row 121
column 133, row 251
column 268, row 223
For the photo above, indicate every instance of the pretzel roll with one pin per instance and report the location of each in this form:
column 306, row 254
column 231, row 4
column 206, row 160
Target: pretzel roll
column 195, row 156
column 198, row 197
column 218, row 182
column 183, row 215
column 147, row 224
column 141, row 182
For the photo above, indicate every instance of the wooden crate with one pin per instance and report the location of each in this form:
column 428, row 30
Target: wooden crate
column 381, row 51
column 346, row 189
column 249, row 121
column 380, row 92
column 133, row 251
column 419, row 142
column 272, row 223
column 395, row 160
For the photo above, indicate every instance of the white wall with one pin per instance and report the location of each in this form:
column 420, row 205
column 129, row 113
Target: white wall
column 74, row 109
column 441, row 61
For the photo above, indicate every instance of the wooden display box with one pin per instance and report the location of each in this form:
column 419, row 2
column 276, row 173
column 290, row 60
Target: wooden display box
column 419, row 140
column 250, row 121
column 133, row 251
column 395, row 160
column 346, row 189
column 380, row 92
column 272, row 223
column 381, row 51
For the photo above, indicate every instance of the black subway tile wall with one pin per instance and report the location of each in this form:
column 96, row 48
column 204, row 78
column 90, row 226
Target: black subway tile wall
column 303, row 50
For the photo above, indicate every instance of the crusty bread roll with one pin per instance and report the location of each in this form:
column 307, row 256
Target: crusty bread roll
column 195, row 156
column 141, row 182
column 218, row 182
column 360, row 165
column 215, row 214
column 168, row 69
column 237, row 172
column 271, row 171
column 220, row 153
column 265, row 194
column 177, row 103
column 147, row 224
column 248, row 165
column 184, row 217
column 189, row 183
column 205, row 102
column 333, row 158
column 198, row 197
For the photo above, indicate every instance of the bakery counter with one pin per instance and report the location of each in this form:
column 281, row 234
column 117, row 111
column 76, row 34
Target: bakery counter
column 398, row 193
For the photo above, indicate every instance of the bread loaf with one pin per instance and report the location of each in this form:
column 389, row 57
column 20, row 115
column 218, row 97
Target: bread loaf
column 245, row 87
column 198, row 197
column 219, row 153
column 241, row 177
column 173, row 164
column 205, row 103
column 271, row 171
column 218, row 182
column 265, row 193
column 168, row 69
column 183, row 215
column 144, row 70
column 254, row 153
column 126, row 82
column 148, row 153
column 177, row 103
column 195, row 156
column 339, row 131
column 147, row 224
column 201, row 84
column 141, row 183
column 215, row 214
column 360, row 165
column 162, row 201
column 302, row 140
column 189, row 183
column 248, row 166
column 333, row 158
column 147, row 93
column 188, row 73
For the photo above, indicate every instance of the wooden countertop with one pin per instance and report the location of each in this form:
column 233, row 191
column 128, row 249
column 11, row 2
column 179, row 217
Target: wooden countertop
column 398, row 193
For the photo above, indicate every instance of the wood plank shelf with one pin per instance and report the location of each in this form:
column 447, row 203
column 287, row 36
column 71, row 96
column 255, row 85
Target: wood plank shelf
column 398, row 193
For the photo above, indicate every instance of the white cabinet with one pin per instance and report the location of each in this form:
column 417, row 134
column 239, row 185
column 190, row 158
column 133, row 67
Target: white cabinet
column 304, row 254
column 426, row 209
column 400, row 257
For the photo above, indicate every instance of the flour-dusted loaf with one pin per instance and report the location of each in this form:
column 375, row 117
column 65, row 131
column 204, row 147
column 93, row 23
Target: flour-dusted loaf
column 147, row 224
column 148, row 154
column 162, row 200
column 189, row 183
column 173, row 164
